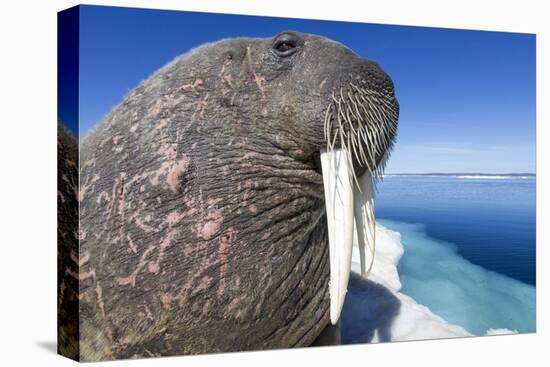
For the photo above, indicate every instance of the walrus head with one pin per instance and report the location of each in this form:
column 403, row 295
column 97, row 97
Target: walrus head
column 330, row 109
column 220, row 197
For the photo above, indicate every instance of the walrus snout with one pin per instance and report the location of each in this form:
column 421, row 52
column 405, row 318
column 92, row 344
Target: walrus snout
column 359, row 125
column 362, row 116
column 345, row 100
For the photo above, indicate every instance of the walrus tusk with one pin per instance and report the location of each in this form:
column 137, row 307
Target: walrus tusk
column 344, row 203
column 336, row 166
column 365, row 220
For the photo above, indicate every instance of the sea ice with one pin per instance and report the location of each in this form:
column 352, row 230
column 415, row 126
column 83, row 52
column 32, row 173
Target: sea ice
column 375, row 310
column 435, row 275
column 452, row 297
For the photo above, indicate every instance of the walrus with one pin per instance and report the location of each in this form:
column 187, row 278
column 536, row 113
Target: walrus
column 218, row 200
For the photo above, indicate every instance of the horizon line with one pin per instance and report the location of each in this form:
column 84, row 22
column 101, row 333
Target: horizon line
column 464, row 173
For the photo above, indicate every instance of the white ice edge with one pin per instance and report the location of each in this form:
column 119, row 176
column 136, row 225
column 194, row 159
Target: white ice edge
column 413, row 321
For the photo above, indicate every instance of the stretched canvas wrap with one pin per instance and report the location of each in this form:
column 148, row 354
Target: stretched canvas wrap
column 231, row 183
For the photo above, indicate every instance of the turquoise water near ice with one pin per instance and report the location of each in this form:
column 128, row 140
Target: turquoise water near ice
column 469, row 247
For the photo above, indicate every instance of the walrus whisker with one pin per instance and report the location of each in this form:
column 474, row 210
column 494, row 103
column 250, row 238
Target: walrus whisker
column 352, row 135
column 355, row 148
column 361, row 150
column 331, row 142
column 349, row 119
column 377, row 113
column 352, row 171
column 360, row 118
column 353, row 101
column 373, row 140
column 340, row 127
column 360, row 135
column 334, row 141
column 327, row 122
column 356, row 144
column 368, row 146
column 342, row 94
column 373, row 137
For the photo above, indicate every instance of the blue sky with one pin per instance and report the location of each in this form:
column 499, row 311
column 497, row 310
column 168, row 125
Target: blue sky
column 467, row 97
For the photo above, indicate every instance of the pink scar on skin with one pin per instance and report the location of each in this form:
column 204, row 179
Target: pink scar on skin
column 131, row 279
column 253, row 209
column 89, row 162
column 177, row 170
column 80, row 260
column 204, row 283
column 122, row 195
column 166, row 300
column 154, row 267
column 82, row 234
column 161, row 124
column 62, row 288
column 200, row 106
column 169, row 151
column 209, row 229
column 131, row 244
column 260, row 82
column 227, row 79
column 168, row 167
column 145, row 227
column 155, row 110
column 124, row 341
column 102, row 194
column 70, row 163
column 226, row 241
column 99, row 294
column 196, row 83
column 174, row 217
column 86, row 186
column 211, row 223
column 148, row 313
column 82, row 275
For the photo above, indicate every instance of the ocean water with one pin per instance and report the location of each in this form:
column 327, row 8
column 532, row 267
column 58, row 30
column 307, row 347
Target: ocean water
column 469, row 246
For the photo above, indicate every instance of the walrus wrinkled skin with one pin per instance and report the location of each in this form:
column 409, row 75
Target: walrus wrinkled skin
column 202, row 216
column 67, row 238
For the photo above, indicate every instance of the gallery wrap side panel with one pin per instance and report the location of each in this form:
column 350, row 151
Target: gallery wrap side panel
column 67, row 184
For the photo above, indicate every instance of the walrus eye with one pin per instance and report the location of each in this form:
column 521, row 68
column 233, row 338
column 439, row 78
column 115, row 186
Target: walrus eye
column 285, row 45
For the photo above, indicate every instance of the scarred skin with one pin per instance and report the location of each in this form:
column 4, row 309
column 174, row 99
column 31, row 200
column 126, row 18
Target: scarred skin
column 202, row 217
column 67, row 237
